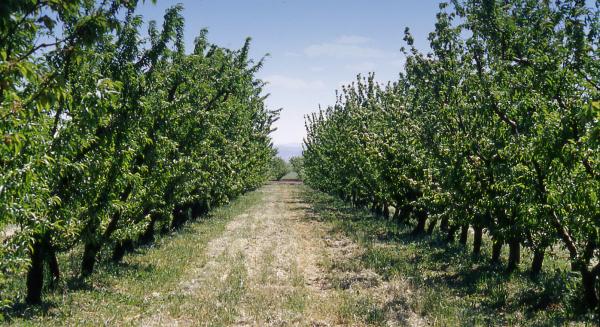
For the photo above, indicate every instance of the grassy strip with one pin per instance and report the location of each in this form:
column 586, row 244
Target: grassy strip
column 142, row 285
column 452, row 288
column 291, row 175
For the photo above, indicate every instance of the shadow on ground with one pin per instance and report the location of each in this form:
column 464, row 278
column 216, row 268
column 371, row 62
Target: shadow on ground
column 454, row 287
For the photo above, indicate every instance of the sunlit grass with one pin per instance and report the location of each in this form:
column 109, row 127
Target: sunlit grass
column 290, row 175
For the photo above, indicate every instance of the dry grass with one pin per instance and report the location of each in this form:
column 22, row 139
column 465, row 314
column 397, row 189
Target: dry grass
column 264, row 260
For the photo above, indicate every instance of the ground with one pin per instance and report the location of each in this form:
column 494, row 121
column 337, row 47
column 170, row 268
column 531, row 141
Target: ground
column 286, row 255
column 263, row 261
column 270, row 267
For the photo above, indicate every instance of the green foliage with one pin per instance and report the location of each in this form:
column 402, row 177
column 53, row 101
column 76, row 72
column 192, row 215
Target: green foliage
column 495, row 129
column 279, row 168
column 107, row 136
column 297, row 164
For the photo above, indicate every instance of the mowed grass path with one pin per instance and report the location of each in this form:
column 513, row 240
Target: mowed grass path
column 262, row 260
column 288, row 255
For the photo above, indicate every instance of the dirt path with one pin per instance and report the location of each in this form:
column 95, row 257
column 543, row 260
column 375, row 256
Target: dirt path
column 275, row 266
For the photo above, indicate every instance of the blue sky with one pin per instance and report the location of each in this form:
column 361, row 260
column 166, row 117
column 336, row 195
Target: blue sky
column 314, row 45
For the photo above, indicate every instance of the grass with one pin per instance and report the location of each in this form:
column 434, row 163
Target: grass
column 143, row 285
column 356, row 308
column 296, row 300
column 373, row 272
column 451, row 287
column 291, row 175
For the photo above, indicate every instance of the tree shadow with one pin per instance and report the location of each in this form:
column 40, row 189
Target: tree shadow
column 22, row 310
column 447, row 265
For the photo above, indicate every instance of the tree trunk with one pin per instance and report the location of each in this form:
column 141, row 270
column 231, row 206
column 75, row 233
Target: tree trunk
column 421, row 220
column 431, row 226
column 514, row 254
column 165, row 228
column 88, row 261
column 405, row 211
column 179, row 216
column 477, row 240
column 386, row 211
column 496, row 251
column 396, row 216
column 588, row 280
column 118, row 252
column 91, row 249
column 52, row 263
column 35, row 274
column 198, row 209
column 464, row 234
column 451, row 233
column 121, row 249
column 537, row 262
column 147, row 236
column 444, row 224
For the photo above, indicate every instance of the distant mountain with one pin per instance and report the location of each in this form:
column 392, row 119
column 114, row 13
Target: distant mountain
column 286, row 151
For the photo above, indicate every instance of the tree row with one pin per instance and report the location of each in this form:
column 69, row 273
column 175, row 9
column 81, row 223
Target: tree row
column 496, row 130
column 111, row 132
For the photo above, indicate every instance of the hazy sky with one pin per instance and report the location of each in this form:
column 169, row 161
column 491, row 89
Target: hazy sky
column 314, row 45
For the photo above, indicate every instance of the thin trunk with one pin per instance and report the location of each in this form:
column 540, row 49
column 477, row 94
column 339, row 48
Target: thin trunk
column 165, row 228
column 590, row 295
column 514, row 254
column 537, row 262
column 431, row 226
column 477, row 240
column 421, row 220
column 35, row 274
column 52, row 263
column 121, row 248
column 88, row 261
column 451, row 233
column 147, row 236
column 179, row 215
column 444, row 224
column 118, row 252
column 92, row 247
column 464, row 234
column 405, row 211
column 496, row 251
column 396, row 216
